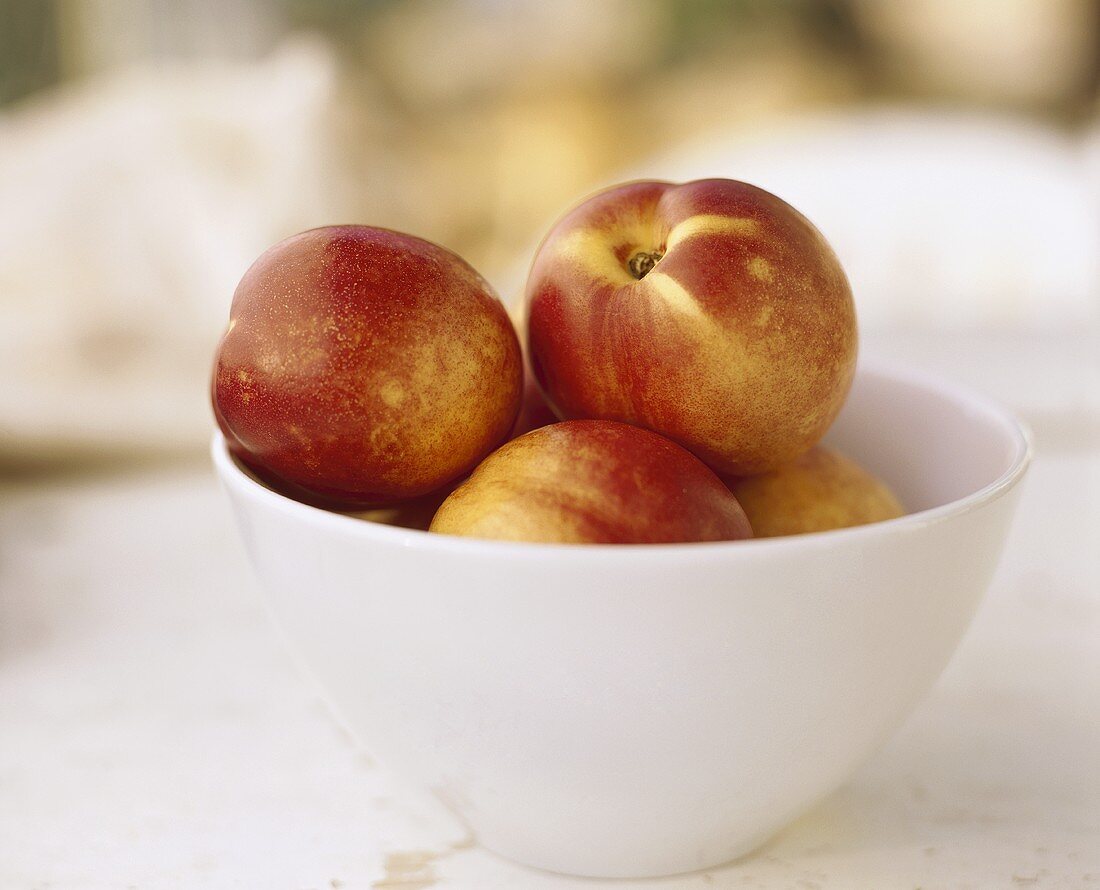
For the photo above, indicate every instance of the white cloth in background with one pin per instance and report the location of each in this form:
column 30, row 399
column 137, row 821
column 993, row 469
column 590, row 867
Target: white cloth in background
column 129, row 208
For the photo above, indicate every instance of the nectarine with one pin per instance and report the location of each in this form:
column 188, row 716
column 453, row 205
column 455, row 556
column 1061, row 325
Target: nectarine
column 362, row 367
column 819, row 491
column 593, row 481
column 712, row 312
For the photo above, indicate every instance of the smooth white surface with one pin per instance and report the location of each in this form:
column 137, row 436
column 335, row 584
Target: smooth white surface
column 644, row 711
column 154, row 734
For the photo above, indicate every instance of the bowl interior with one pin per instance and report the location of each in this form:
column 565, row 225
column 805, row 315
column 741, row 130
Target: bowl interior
column 934, row 442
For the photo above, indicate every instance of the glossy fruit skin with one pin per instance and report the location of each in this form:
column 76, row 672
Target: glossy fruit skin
column 739, row 340
column 363, row 367
column 819, row 491
column 593, row 482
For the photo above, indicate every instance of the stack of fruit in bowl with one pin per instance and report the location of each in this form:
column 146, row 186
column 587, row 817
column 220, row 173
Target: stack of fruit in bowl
column 687, row 346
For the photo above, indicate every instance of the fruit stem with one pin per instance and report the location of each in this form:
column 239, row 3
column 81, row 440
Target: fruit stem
column 641, row 263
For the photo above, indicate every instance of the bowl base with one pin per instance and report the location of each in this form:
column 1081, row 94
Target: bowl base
column 594, row 861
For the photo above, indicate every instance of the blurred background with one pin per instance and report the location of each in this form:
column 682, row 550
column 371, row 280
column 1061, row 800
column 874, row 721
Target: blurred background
column 151, row 149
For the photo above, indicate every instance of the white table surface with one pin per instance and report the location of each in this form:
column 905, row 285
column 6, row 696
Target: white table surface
column 154, row 733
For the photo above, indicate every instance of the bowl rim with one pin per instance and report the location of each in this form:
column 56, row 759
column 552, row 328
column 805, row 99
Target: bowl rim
column 1015, row 430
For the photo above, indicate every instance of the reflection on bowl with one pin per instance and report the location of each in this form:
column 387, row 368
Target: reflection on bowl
column 652, row 709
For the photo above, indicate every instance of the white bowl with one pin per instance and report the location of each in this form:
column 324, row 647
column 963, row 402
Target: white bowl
column 645, row 710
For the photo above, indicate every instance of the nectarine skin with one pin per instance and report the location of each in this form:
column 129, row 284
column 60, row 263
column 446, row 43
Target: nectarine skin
column 711, row 312
column 362, row 367
column 819, row 491
column 593, row 482
column 534, row 412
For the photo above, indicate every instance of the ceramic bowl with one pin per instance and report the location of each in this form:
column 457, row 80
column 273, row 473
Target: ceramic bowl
column 645, row 710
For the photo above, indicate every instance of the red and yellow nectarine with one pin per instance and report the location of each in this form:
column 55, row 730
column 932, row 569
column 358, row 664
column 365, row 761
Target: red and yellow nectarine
column 712, row 312
column 819, row 491
column 593, row 482
column 362, row 367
